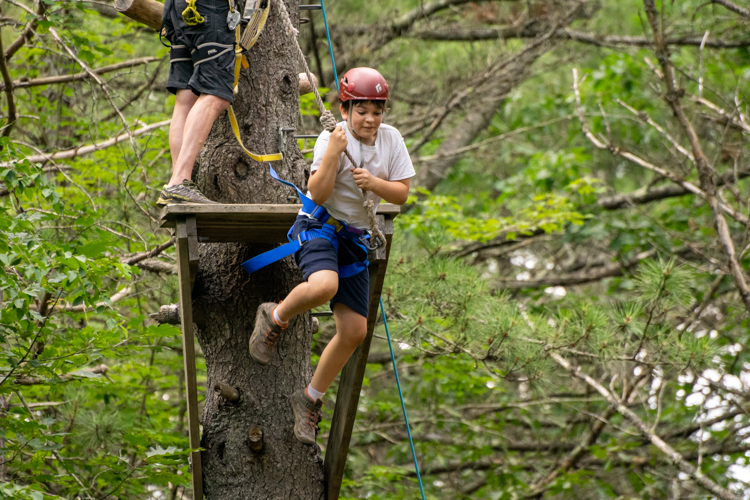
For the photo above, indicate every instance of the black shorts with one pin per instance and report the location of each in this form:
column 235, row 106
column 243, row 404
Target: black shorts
column 202, row 56
column 318, row 254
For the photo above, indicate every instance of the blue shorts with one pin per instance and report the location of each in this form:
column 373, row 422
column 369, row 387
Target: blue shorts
column 318, row 254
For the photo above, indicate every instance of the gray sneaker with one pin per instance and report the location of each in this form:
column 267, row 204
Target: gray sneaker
column 265, row 334
column 184, row 192
column 306, row 416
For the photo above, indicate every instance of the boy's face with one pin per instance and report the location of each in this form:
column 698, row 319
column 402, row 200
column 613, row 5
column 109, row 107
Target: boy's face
column 365, row 119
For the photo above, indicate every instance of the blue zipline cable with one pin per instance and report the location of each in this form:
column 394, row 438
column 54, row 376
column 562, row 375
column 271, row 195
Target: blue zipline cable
column 400, row 395
column 330, row 45
column 382, row 309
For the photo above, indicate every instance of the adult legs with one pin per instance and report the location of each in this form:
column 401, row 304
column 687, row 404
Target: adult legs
column 351, row 330
column 184, row 101
column 192, row 120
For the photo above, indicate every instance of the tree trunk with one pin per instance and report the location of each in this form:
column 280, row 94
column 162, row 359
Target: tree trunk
column 225, row 297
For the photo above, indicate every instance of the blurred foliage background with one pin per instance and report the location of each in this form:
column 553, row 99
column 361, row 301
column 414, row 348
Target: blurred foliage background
column 553, row 217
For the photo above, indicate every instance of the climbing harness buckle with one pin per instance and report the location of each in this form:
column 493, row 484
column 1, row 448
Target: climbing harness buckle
column 373, row 242
column 233, row 19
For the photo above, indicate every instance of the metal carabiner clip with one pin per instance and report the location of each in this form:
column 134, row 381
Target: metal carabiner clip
column 373, row 242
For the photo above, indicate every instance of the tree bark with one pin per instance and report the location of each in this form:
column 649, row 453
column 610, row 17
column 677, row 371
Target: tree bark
column 225, row 297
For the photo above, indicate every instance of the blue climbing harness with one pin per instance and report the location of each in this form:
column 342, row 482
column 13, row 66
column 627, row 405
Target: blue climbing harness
column 332, row 230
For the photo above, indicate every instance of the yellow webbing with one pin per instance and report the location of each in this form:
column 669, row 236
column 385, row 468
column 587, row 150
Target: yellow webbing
column 237, row 57
column 256, row 157
column 239, row 61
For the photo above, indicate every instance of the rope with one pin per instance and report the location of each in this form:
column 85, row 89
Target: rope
column 401, row 395
column 326, row 117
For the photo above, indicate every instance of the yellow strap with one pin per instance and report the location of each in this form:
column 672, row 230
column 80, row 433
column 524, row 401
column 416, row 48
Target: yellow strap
column 239, row 61
column 245, row 64
column 237, row 57
column 256, row 157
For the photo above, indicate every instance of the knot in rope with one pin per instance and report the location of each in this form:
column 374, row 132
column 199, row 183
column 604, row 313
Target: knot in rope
column 328, row 120
column 190, row 15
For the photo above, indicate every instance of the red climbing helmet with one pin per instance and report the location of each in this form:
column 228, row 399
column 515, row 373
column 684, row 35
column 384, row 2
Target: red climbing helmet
column 363, row 83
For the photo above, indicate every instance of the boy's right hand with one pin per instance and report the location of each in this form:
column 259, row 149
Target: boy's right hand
column 337, row 142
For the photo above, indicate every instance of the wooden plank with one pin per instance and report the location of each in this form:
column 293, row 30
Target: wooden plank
column 350, row 382
column 267, row 213
column 188, row 349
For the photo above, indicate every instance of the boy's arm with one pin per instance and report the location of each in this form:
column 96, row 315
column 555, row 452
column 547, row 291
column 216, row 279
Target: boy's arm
column 324, row 178
column 395, row 192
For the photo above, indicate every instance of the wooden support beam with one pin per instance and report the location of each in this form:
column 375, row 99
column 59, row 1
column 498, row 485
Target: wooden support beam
column 186, row 261
column 191, row 229
column 350, row 383
column 147, row 12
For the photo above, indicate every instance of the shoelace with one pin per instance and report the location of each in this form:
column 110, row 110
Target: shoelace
column 313, row 417
column 270, row 338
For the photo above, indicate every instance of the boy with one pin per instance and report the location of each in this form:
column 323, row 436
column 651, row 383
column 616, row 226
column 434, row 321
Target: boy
column 383, row 169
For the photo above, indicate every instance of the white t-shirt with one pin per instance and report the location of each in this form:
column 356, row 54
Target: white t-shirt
column 388, row 159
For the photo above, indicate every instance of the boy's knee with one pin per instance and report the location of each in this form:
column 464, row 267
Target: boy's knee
column 324, row 289
column 357, row 336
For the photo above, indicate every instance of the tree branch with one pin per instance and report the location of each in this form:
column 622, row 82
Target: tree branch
column 134, row 259
column 84, row 150
column 645, row 195
column 615, row 150
column 531, row 30
column 655, row 440
column 705, row 171
column 51, row 80
column 733, row 7
column 587, row 276
column 8, row 87
column 27, row 34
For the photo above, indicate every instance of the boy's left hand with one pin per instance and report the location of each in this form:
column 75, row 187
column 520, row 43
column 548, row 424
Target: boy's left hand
column 363, row 178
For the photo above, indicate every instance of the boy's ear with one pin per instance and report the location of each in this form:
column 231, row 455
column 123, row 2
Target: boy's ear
column 343, row 109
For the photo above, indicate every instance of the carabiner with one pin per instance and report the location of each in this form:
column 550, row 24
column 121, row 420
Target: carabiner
column 377, row 241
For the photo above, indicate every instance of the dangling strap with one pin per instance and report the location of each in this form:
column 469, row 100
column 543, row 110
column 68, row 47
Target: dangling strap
column 238, row 63
column 254, row 156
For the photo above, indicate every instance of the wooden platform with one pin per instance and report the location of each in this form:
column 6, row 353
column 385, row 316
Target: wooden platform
column 244, row 223
column 194, row 223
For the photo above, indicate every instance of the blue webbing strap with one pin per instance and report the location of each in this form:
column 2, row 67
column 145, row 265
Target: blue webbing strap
column 262, row 260
column 401, row 395
column 278, row 253
column 308, row 205
column 328, row 232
